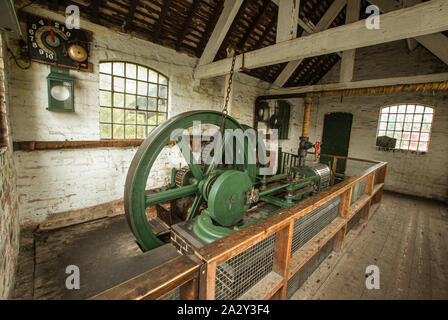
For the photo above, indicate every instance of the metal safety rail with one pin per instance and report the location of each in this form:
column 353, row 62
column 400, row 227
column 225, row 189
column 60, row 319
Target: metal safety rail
column 271, row 258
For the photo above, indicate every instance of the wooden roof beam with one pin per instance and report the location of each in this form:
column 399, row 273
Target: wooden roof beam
column 323, row 24
column 187, row 23
column 159, row 23
column 230, row 10
column 256, row 22
column 348, row 57
column 426, row 18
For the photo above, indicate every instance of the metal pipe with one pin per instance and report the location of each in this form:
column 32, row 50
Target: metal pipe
column 306, row 115
column 273, row 189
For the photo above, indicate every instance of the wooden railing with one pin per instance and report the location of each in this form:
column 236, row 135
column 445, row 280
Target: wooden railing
column 196, row 278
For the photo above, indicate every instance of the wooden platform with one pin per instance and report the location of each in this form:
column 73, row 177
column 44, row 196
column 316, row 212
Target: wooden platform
column 407, row 238
column 104, row 250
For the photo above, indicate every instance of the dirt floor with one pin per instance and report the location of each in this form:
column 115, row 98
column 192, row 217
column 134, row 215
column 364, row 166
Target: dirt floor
column 407, row 238
column 104, row 250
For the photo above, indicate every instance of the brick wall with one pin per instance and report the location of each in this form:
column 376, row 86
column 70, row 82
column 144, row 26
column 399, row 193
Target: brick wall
column 9, row 222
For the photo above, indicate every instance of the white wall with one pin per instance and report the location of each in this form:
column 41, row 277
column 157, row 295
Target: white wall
column 50, row 182
column 408, row 172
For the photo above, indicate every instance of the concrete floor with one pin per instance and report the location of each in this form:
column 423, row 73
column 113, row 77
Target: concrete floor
column 407, row 238
column 104, row 250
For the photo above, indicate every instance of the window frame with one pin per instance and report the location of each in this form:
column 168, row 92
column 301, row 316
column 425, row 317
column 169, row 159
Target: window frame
column 148, row 127
column 404, row 122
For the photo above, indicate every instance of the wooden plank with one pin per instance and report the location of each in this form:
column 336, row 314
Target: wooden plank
column 159, row 23
column 208, row 29
column 228, row 14
column 305, row 253
column 256, row 22
column 288, row 15
column 282, row 253
column 156, row 282
column 187, row 23
column 348, row 57
column 211, row 281
column 426, row 18
column 265, row 288
column 420, row 79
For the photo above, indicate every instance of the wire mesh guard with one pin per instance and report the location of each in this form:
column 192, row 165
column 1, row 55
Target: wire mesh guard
column 172, row 295
column 358, row 191
column 377, row 176
column 354, row 220
column 303, row 274
column 310, row 225
column 240, row 273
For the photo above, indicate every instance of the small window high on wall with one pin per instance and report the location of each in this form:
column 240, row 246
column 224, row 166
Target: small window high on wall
column 409, row 124
column 133, row 100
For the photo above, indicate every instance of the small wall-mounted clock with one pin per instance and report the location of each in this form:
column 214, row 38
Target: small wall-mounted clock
column 53, row 43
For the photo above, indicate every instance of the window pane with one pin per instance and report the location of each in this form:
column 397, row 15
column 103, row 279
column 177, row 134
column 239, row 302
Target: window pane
column 416, row 127
column 130, row 101
column 393, row 109
column 381, row 133
column 141, row 132
column 162, row 106
column 413, row 146
column 384, row 117
column 419, row 109
column 390, row 134
column 131, row 71
column 142, row 88
column 130, row 132
column 118, row 116
column 423, row 146
column 105, row 82
column 399, row 126
column 429, row 110
column 410, row 108
column 427, row 118
column 118, row 131
column 105, row 115
column 142, row 73
column 408, row 126
column 106, row 67
column 152, row 104
column 141, row 118
column 391, row 126
column 418, row 118
column 163, row 92
column 162, row 118
column 383, row 125
column 392, row 117
column 400, row 118
column 131, row 86
column 152, row 90
column 119, row 69
column 119, row 100
column 142, row 103
column 152, row 118
column 415, row 136
column 402, row 108
column 406, row 136
column 105, row 131
column 152, row 76
column 409, row 118
column 118, row 84
column 426, row 128
column 163, row 80
column 385, row 110
column 405, row 145
column 130, row 117
column 105, row 99
column 424, row 137
column 397, row 135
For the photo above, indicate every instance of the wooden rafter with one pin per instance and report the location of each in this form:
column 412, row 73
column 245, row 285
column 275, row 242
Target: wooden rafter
column 187, row 22
column 266, row 32
column 214, row 18
column 129, row 22
column 395, row 25
column 256, row 22
column 162, row 16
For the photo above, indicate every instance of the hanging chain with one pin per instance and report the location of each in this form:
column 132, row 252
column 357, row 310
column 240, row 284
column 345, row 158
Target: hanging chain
column 229, row 86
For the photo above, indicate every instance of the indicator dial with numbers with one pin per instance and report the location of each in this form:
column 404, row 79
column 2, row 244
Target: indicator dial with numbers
column 53, row 43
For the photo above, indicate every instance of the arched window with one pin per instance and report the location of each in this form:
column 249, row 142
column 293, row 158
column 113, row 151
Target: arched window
column 133, row 100
column 409, row 124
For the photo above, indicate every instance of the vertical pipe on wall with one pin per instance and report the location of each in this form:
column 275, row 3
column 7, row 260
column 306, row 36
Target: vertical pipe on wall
column 306, row 116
